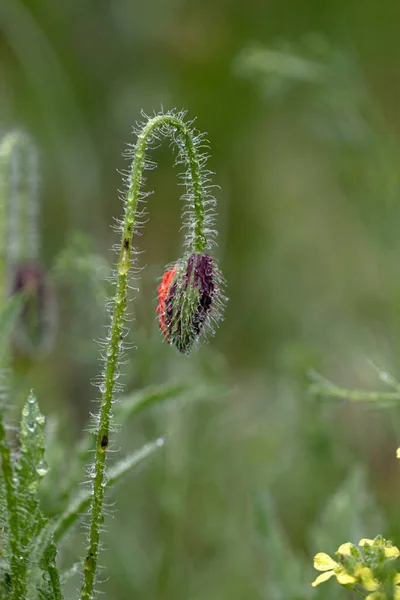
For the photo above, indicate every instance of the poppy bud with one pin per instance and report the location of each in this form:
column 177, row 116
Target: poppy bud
column 190, row 300
column 36, row 325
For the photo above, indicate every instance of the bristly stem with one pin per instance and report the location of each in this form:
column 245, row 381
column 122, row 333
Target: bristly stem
column 166, row 125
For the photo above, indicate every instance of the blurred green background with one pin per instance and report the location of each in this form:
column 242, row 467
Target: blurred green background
column 300, row 102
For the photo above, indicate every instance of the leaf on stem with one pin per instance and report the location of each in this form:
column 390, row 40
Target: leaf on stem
column 30, row 468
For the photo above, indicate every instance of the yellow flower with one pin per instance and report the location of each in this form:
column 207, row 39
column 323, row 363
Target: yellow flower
column 345, row 549
column 350, row 567
column 392, row 552
column 396, row 583
column 323, row 562
column 365, row 578
column 398, row 453
column 389, row 550
column 365, row 541
column 382, row 596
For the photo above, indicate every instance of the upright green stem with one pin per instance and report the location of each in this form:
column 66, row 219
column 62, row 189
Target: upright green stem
column 167, row 125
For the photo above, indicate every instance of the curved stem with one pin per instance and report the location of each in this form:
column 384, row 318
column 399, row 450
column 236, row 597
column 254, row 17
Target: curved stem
column 194, row 173
column 168, row 125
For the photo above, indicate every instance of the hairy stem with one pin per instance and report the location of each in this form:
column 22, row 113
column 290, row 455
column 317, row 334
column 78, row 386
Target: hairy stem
column 199, row 239
column 168, row 125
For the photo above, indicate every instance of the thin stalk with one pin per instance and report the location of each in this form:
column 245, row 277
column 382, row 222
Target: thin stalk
column 167, row 125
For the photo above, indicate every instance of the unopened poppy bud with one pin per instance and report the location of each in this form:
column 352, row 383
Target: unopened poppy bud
column 190, row 300
column 37, row 322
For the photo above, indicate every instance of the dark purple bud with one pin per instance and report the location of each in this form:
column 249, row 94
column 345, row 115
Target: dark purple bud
column 190, row 300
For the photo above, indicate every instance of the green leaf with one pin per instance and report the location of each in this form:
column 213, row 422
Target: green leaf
column 37, row 547
column 30, row 468
column 42, row 571
column 48, row 564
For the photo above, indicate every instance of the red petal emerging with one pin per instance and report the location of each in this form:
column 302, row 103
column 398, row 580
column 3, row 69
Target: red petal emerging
column 163, row 289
